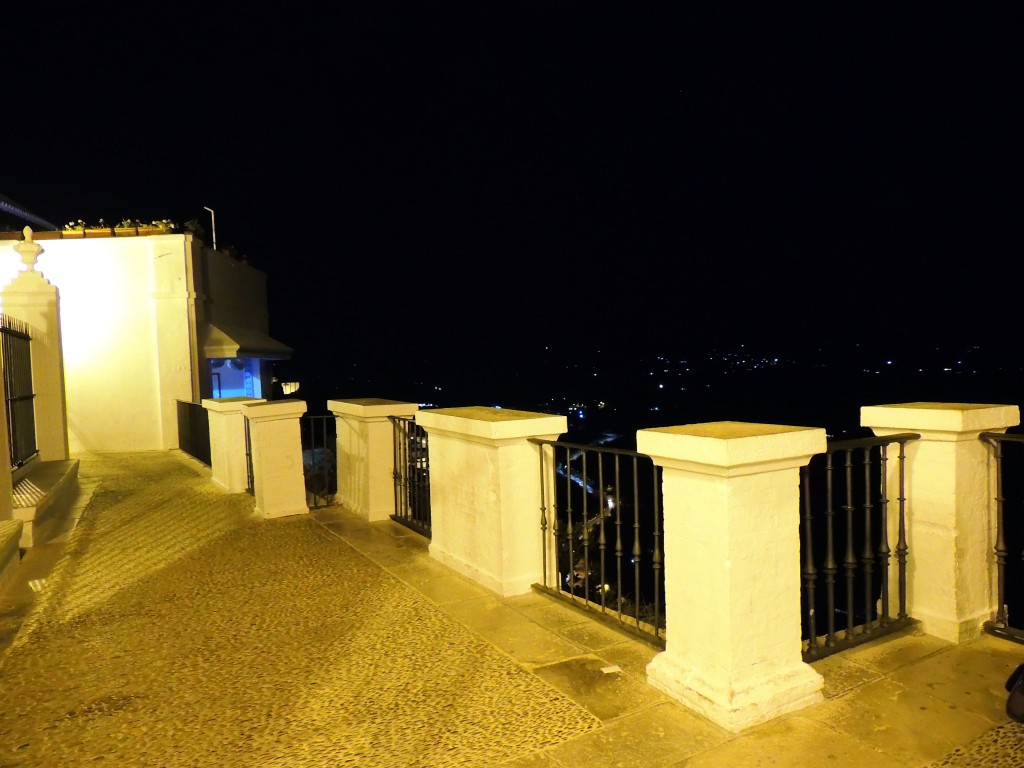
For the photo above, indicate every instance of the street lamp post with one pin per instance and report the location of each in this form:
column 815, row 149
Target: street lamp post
column 213, row 226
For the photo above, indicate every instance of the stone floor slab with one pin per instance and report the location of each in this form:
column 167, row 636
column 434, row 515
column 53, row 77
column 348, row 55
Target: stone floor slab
column 607, row 693
column 660, row 735
column 905, row 723
column 794, row 742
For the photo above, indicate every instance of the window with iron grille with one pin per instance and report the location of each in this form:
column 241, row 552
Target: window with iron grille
column 19, row 398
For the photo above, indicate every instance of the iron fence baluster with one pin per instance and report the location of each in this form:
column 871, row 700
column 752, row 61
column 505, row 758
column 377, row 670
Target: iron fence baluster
column 568, row 522
column 830, row 567
column 901, row 541
column 585, row 535
column 868, row 555
column 883, row 532
column 637, row 549
column 249, row 479
column 809, row 572
column 619, row 549
column 850, row 561
column 602, row 544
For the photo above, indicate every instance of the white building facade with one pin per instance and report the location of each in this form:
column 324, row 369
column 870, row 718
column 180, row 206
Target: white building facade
column 147, row 321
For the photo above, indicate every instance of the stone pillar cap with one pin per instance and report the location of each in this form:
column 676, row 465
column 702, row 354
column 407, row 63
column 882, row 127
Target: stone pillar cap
column 368, row 407
column 478, row 421
column 229, row 404
column 273, row 410
column 940, row 417
column 731, row 445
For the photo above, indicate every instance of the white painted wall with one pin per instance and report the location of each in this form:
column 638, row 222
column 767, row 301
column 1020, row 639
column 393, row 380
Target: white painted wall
column 109, row 328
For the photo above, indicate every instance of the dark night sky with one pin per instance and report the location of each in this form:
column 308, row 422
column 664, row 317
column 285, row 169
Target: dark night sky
column 426, row 175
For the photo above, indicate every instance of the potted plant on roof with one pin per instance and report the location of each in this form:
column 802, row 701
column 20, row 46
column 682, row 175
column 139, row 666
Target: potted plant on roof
column 100, row 229
column 157, row 227
column 73, row 229
column 127, row 228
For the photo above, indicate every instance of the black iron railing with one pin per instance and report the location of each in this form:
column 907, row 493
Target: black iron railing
column 19, row 400
column 602, row 534
column 250, row 480
column 411, row 475
column 319, row 459
column 194, row 431
column 849, row 527
column 1009, row 534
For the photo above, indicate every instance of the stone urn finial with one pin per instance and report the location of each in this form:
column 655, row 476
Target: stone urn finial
column 29, row 250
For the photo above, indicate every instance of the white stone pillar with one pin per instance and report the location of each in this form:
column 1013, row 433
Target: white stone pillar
column 276, row 446
column 227, row 441
column 950, row 511
column 731, row 494
column 484, row 496
column 31, row 298
column 366, row 454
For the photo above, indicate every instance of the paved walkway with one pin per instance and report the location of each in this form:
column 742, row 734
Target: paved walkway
column 166, row 626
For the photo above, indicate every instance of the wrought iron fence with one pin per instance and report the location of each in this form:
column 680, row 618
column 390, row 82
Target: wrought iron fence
column 849, row 526
column 602, row 532
column 19, row 401
column 250, row 480
column 411, row 474
column 319, row 459
column 1008, row 449
column 194, row 431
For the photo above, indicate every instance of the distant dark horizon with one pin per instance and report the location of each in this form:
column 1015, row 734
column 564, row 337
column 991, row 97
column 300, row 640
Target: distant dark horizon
column 821, row 385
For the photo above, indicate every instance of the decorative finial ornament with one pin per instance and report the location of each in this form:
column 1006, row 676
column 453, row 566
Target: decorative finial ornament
column 29, row 250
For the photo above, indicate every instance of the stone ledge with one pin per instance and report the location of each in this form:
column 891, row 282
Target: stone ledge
column 10, row 551
column 46, row 489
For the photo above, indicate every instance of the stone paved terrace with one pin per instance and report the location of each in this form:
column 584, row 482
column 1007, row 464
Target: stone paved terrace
column 164, row 625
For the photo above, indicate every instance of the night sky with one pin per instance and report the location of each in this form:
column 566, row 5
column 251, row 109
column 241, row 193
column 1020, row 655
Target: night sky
column 426, row 176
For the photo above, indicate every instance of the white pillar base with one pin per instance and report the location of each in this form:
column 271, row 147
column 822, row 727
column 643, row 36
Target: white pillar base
column 963, row 630
column 505, row 587
column 731, row 704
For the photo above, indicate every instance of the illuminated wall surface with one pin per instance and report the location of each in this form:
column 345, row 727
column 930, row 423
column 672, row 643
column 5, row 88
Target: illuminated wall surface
column 133, row 330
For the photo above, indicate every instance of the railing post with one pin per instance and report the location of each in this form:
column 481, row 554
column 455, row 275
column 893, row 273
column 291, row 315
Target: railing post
column 227, row 441
column 484, row 495
column 280, row 489
column 366, row 460
column 732, row 569
column 950, row 515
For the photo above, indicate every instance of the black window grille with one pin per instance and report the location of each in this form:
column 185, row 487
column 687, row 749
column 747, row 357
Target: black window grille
column 19, row 400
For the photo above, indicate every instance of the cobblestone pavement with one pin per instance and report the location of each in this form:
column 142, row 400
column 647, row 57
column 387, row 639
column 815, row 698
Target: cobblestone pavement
column 181, row 631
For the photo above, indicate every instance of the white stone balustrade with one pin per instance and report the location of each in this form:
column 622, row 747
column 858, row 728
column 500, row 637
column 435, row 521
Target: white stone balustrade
column 275, row 443
column 366, row 454
column 227, row 441
column 731, row 493
column 950, row 517
column 484, row 496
